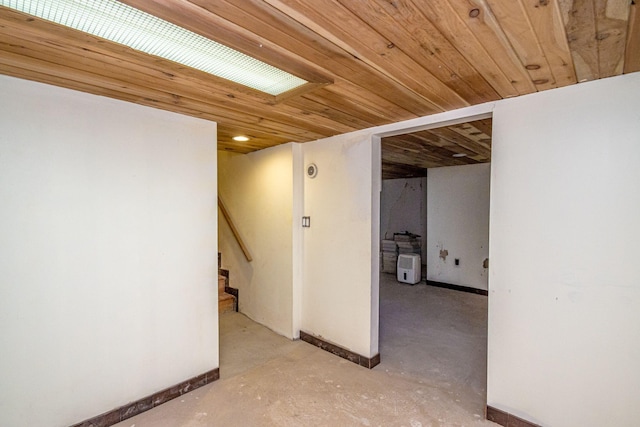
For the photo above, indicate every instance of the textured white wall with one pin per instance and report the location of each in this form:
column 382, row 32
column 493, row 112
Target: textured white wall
column 258, row 191
column 317, row 279
column 337, row 301
column 403, row 207
column 564, row 335
column 323, row 280
column 108, row 240
column 458, row 222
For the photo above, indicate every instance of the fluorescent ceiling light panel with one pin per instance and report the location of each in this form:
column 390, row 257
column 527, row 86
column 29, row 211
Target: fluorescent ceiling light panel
column 120, row 23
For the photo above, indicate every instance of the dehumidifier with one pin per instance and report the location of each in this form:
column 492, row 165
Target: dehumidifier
column 409, row 268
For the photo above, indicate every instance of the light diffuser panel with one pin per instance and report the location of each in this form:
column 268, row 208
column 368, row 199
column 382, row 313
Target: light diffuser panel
column 120, row 23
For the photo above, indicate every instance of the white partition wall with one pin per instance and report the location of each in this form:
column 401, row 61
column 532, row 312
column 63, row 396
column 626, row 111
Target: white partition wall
column 339, row 294
column 108, row 237
column 108, row 253
column 458, row 225
column 564, row 302
column 318, row 279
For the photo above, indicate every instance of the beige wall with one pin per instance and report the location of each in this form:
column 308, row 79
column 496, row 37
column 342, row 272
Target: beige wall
column 108, row 242
column 258, row 191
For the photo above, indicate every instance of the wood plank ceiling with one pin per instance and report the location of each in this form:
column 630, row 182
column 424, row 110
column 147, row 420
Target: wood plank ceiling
column 370, row 62
column 410, row 155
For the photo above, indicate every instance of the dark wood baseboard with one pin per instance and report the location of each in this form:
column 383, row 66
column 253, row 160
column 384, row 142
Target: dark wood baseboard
column 341, row 352
column 506, row 419
column 458, row 288
column 134, row 408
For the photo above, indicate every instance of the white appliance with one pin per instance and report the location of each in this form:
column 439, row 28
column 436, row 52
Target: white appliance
column 409, row 268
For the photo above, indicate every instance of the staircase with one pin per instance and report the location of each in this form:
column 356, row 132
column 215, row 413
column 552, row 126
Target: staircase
column 227, row 296
column 226, row 302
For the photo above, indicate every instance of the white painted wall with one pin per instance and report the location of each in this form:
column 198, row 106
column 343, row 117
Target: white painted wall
column 339, row 295
column 323, row 280
column 258, row 191
column 458, row 222
column 108, row 252
column 317, row 279
column 564, row 303
column 403, row 207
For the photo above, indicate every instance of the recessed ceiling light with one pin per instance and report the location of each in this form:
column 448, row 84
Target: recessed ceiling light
column 459, row 155
column 241, row 138
column 120, row 23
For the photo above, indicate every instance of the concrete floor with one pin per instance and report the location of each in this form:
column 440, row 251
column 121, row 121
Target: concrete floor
column 433, row 372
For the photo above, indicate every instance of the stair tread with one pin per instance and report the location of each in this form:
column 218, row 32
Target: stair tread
column 225, row 296
column 226, row 303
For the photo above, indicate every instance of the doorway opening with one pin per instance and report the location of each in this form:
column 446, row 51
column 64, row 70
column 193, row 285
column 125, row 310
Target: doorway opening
column 435, row 194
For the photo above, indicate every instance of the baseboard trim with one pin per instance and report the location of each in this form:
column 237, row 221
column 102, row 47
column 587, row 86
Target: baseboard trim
column 506, row 419
column 458, row 288
column 134, row 408
column 366, row 362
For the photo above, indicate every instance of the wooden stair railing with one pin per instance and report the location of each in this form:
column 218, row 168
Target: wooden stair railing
column 234, row 230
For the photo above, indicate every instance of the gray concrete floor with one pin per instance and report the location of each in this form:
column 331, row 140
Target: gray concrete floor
column 433, row 372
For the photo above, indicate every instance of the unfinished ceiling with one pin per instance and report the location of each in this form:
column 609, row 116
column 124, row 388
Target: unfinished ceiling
column 408, row 155
column 370, row 62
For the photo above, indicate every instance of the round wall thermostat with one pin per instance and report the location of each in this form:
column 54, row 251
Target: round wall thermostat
column 312, row 170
